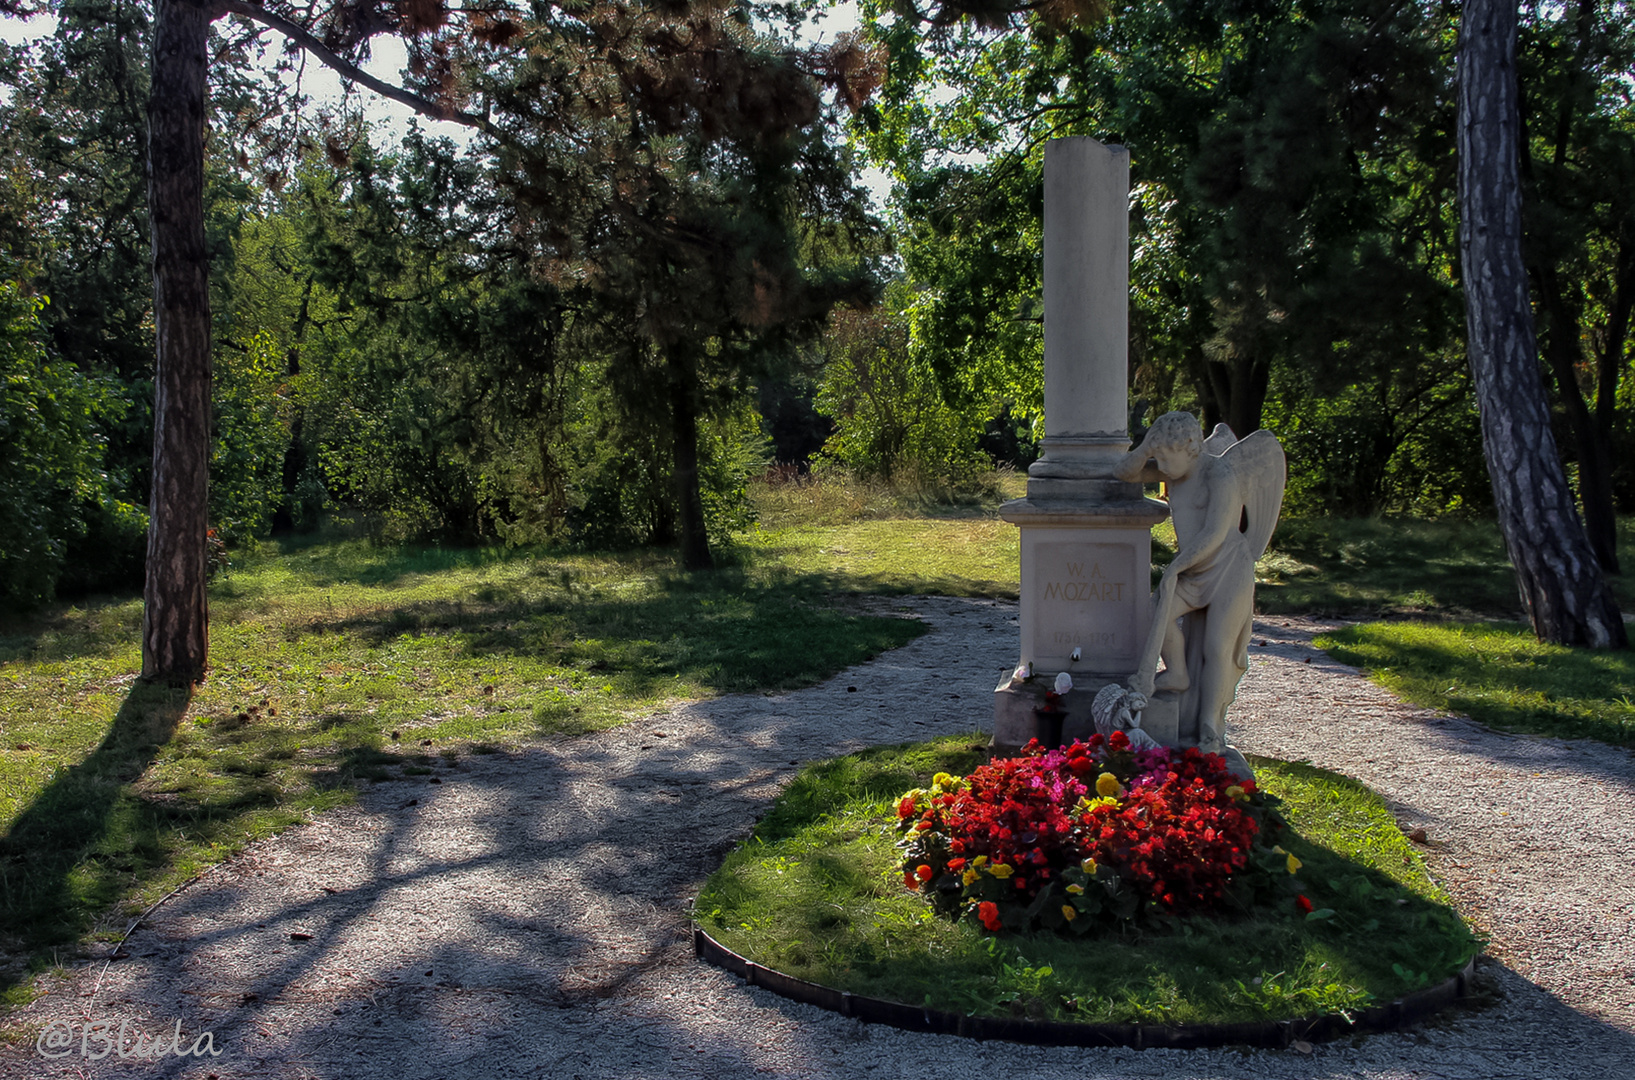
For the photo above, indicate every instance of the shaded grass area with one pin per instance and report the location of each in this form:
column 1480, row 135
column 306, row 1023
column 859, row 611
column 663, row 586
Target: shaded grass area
column 338, row 663
column 861, row 536
column 815, row 892
column 834, row 497
column 1446, row 568
column 1498, row 674
column 854, row 536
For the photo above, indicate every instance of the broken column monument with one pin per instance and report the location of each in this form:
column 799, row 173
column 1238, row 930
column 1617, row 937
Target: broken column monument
column 1086, row 603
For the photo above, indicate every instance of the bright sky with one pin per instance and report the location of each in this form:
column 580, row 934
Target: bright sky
column 391, row 120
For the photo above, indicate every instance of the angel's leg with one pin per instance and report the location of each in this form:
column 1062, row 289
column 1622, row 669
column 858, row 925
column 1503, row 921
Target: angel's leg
column 1174, row 654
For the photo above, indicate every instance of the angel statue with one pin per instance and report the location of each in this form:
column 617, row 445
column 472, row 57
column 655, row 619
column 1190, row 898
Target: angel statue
column 1224, row 497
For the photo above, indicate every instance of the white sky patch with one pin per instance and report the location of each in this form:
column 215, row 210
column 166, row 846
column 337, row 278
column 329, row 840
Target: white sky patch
column 25, row 31
column 389, row 120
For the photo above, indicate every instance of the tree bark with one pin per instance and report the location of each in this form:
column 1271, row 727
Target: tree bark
column 695, row 541
column 1556, row 573
column 1592, row 439
column 175, row 617
column 1239, row 388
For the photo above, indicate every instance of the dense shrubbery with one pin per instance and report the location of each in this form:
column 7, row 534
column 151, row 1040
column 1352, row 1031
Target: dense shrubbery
column 1092, row 834
column 52, row 484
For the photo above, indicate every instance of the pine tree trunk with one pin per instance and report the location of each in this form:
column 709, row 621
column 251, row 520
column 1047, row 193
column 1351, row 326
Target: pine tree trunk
column 175, row 618
column 695, row 541
column 1560, row 584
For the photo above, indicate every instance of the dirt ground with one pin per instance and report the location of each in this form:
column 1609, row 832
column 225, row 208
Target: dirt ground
column 524, row 914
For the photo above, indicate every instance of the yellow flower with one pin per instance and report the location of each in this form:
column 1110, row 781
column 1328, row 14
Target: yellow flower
column 1235, row 792
column 1075, row 889
column 980, row 861
column 969, row 877
column 1089, row 867
column 1069, row 913
column 1000, row 871
column 1294, row 864
column 1107, row 785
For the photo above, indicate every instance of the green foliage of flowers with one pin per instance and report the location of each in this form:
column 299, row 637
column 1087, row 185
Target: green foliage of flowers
column 817, row 892
column 1498, row 674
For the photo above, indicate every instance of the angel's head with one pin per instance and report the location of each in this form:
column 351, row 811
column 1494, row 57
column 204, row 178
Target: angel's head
column 1174, row 442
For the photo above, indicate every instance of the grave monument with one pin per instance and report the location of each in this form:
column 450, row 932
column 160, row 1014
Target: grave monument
column 1086, row 603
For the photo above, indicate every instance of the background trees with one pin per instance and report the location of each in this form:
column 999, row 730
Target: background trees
column 565, row 333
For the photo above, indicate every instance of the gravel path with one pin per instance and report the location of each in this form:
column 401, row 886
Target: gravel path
column 523, row 914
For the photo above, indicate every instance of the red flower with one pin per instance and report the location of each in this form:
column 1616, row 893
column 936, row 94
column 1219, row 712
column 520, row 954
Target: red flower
column 988, row 912
column 1303, row 904
column 906, row 807
column 956, row 864
column 923, row 872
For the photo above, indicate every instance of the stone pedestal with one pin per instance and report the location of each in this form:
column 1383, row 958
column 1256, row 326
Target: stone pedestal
column 1014, row 716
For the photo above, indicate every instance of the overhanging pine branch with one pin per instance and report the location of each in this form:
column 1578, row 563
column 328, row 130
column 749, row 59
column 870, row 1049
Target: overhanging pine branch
column 351, row 71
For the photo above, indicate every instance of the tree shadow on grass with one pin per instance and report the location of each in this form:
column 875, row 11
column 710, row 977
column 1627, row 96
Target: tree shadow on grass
column 72, row 852
column 721, row 636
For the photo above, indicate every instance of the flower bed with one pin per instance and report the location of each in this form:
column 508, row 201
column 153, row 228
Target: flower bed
column 817, row 894
column 1095, row 834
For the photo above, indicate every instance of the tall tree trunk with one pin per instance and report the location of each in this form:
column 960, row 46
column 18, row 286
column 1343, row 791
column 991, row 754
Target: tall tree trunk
column 695, row 541
column 1556, row 573
column 175, row 617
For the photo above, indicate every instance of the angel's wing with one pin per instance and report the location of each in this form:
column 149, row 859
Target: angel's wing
column 1260, row 471
column 1219, row 441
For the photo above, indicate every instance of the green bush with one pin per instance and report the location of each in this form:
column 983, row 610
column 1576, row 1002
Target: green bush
column 891, row 422
column 50, row 452
column 252, row 434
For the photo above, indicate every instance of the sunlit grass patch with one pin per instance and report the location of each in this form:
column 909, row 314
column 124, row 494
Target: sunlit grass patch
column 1498, row 674
column 816, row 892
column 953, row 556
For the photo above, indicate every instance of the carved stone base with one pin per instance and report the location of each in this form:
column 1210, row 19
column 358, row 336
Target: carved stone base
column 1015, row 721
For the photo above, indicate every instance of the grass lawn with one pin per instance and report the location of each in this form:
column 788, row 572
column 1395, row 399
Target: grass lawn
column 1440, row 569
column 1498, row 674
column 816, row 892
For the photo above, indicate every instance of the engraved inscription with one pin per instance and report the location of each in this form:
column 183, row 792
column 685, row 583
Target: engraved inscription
column 1086, row 601
column 1074, row 637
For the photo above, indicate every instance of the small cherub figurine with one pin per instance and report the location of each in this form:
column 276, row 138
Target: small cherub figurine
column 1118, row 709
column 1224, row 497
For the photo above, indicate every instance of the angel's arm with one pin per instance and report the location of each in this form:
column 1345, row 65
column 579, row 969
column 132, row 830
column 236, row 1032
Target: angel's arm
column 1137, row 467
